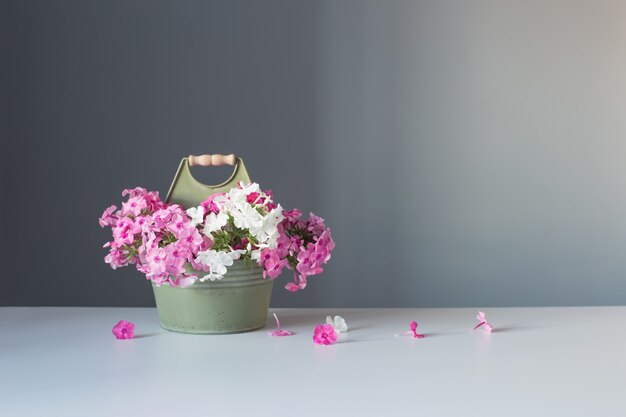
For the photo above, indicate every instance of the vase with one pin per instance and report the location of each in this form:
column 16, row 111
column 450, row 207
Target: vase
column 239, row 302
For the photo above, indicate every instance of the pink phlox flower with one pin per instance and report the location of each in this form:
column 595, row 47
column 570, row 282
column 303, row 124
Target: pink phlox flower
column 254, row 198
column 307, row 262
column 413, row 332
column 199, row 266
column 116, row 257
column 179, row 224
column 161, row 217
column 483, row 322
column 299, row 283
column 292, row 215
column 157, row 260
column 134, row 192
column 184, row 281
column 282, row 246
column 325, row 240
column 133, row 206
column 241, row 245
column 153, row 200
column 177, row 257
column 124, row 330
column 315, row 224
column 324, row 334
column 413, row 326
column 157, row 279
column 191, row 239
column 279, row 332
column 210, row 205
column 272, row 263
column 108, row 217
column 124, row 231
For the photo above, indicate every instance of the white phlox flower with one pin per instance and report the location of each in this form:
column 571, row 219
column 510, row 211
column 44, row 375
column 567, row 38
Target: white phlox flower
column 196, row 214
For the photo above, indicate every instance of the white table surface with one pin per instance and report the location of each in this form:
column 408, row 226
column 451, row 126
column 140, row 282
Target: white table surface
column 538, row 362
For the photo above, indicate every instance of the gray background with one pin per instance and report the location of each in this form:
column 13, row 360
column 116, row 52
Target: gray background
column 465, row 153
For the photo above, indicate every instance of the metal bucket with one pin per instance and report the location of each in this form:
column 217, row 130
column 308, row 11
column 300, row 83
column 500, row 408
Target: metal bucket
column 239, row 302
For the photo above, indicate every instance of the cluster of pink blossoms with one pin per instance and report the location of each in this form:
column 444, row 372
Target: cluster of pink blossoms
column 158, row 239
column 303, row 246
column 176, row 246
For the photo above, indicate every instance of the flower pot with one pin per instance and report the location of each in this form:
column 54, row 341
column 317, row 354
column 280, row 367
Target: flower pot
column 238, row 302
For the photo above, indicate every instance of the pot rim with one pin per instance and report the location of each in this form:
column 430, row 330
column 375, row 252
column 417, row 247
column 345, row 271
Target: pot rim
column 242, row 272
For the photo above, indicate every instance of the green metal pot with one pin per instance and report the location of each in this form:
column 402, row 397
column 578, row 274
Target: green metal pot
column 239, row 302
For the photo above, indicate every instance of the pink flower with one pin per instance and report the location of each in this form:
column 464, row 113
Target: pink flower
column 210, row 206
column 178, row 224
column 413, row 327
column 191, row 239
column 483, row 322
column 307, row 262
column 315, row 224
column 283, row 244
column 324, row 334
column 177, row 256
column 279, row 332
column 271, row 263
column 107, row 218
column 292, row 215
column 253, row 198
column 157, row 260
column 413, row 332
column 124, row 330
column 134, row 192
column 299, row 283
column 184, row 282
column 124, row 231
column 116, row 258
column 133, row 206
column 326, row 241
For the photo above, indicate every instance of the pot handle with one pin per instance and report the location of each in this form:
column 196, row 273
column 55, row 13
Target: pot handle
column 214, row 160
column 189, row 192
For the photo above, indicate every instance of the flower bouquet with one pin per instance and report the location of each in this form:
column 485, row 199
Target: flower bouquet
column 228, row 250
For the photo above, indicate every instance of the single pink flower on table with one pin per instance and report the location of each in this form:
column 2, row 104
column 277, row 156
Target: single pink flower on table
column 413, row 327
column 413, row 332
column 279, row 332
column 324, row 334
column 483, row 322
column 124, row 330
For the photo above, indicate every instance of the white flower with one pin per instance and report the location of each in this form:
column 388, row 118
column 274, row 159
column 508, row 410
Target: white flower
column 196, row 214
column 215, row 222
column 339, row 324
column 217, row 262
column 246, row 217
column 268, row 231
column 238, row 195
